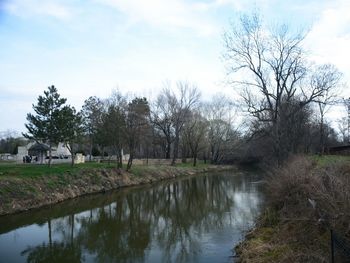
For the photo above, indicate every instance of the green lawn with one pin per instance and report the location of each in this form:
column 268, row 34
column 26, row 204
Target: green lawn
column 329, row 159
column 189, row 164
column 33, row 170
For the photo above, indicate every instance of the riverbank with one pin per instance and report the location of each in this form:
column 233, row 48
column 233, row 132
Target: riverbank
column 28, row 187
column 305, row 200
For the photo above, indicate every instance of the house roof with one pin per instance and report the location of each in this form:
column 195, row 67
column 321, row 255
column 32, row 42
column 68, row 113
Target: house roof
column 39, row 147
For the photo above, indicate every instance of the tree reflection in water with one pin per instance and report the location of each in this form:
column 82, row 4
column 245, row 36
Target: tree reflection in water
column 173, row 221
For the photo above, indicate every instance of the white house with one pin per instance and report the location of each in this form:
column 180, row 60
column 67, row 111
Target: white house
column 61, row 150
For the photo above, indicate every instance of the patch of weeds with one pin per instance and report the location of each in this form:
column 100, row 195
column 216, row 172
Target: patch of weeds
column 137, row 170
column 95, row 178
column 51, row 184
column 270, row 217
column 276, row 253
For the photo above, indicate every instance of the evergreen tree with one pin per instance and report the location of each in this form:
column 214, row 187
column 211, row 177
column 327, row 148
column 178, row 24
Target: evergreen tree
column 46, row 124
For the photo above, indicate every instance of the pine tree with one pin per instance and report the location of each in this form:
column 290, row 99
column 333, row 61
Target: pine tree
column 47, row 124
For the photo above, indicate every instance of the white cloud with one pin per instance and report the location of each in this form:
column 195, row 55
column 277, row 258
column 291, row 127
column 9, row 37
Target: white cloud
column 243, row 5
column 29, row 8
column 165, row 14
column 329, row 38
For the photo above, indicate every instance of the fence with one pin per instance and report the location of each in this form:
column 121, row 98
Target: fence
column 340, row 249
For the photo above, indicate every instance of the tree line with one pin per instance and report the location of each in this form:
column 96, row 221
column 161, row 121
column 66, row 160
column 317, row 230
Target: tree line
column 284, row 96
column 176, row 125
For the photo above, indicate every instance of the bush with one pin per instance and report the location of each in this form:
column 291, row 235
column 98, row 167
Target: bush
column 306, row 200
column 301, row 188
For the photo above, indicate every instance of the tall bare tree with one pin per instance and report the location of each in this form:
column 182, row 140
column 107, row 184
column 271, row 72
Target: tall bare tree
column 181, row 105
column 270, row 67
column 161, row 118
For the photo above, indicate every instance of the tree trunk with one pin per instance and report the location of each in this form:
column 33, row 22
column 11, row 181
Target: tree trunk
column 90, row 149
column 131, row 157
column 50, row 154
column 120, row 159
column 176, row 148
column 72, row 155
column 321, row 137
column 167, row 150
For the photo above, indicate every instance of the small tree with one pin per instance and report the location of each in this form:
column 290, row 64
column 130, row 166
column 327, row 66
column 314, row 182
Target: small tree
column 72, row 128
column 46, row 125
column 194, row 134
column 137, row 123
column 111, row 132
column 92, row 116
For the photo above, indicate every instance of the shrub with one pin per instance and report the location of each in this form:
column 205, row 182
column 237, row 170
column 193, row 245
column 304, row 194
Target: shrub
column 308, row 200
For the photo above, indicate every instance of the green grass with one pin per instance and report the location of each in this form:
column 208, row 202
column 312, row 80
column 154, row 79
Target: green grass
column 329, row 159
column 138, row 170
column 33, row 170
column 200, row 164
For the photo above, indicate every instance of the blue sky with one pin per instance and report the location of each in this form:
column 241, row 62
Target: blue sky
column 90, row 47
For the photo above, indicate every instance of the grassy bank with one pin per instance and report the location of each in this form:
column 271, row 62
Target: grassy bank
column 305, row 199
column 25, row 186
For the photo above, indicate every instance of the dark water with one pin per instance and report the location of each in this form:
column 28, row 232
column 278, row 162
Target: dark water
column 196, row 219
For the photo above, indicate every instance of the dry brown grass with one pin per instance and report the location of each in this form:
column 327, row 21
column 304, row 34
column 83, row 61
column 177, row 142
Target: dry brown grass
column 305, row 201
column 301, row 190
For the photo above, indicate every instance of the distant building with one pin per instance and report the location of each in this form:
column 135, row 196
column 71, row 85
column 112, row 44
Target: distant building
column 41, row 150
column 339, row 150
column 22, row 151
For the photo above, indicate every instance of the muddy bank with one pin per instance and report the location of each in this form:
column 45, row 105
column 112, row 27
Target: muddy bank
column 19, row 194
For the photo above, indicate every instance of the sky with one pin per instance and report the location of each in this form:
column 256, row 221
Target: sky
column 91, row 47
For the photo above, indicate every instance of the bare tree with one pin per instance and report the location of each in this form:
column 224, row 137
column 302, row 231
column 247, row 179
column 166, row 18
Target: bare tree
column 346, row 103
column 327, row 78
column 219, row 115
column 269, row 66
column 181, row 104
column 161, row 117
column 343, row 129
column 171, row 110
column 195, row 130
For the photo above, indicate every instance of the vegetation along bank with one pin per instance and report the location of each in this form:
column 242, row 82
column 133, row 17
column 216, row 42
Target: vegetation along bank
column 306, row 199
column 24, row 187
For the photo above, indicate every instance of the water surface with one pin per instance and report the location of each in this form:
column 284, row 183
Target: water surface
column 195, row 219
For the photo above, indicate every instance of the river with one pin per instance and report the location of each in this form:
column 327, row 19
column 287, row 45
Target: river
column 193, row 219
